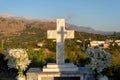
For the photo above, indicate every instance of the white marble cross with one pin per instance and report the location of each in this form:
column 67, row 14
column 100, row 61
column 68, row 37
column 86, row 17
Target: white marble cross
column 60, row 34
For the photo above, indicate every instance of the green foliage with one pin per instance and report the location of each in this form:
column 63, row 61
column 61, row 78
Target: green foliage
column 25, row 39
column 75, row 56
column 49, row 44
column 50, row 60
column 51, row 57
column 1, row 50
column 116, row 61
column 114, row 36
column 114, row 70
column 37, row 58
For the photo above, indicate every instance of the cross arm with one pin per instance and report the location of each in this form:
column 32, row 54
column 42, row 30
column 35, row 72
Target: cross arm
column 51, row 34
column 70, row 34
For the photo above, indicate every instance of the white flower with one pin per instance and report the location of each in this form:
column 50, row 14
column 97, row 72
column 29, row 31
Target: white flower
column 99, row 59
column 17, row 58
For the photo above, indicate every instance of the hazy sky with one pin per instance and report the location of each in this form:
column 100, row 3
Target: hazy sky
column 99, row 14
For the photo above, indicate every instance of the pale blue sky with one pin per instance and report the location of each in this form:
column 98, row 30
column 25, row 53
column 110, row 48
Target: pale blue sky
column 99, row 14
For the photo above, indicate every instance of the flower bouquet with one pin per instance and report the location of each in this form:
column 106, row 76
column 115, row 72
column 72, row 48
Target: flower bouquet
column 18, row 59
column 99, row 60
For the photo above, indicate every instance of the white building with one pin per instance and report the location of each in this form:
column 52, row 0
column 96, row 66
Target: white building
column 118, row 42
column 96, row 43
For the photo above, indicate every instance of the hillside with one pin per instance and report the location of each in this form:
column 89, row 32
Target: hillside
column 12, row 26
column 30, row 36
column 17, row 33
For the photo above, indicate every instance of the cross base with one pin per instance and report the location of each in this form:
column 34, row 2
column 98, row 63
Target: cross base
column 67, row 67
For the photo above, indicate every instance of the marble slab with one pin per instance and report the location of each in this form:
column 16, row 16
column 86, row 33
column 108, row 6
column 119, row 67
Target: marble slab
column 68, row 67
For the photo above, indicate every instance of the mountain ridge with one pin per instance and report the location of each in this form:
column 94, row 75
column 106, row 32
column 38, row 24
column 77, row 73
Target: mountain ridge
column 21, row 22
column 24, row 18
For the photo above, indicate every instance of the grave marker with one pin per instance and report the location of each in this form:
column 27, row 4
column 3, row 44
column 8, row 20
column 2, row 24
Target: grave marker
column 60, row 34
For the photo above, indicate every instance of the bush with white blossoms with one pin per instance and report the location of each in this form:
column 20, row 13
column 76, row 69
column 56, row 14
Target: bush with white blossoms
column 99, row 60
column 17, row 58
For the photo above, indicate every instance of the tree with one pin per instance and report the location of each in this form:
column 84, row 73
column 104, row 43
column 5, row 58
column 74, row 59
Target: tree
column 114, row 36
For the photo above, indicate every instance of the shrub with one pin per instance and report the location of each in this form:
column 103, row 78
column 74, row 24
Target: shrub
column 37, row 58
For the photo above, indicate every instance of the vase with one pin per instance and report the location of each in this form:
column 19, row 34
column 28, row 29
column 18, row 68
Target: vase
column 102, row 77
column 21, row 78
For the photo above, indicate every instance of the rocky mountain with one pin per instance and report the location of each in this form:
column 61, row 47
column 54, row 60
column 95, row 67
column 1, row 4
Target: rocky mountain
column 13, row 24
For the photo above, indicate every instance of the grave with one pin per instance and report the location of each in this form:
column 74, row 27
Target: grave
column 59, row 70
